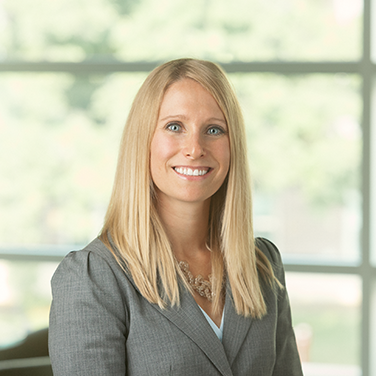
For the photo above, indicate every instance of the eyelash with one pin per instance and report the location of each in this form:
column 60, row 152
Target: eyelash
column 220, row 129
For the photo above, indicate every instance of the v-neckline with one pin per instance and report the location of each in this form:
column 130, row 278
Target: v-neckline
column 211, row 320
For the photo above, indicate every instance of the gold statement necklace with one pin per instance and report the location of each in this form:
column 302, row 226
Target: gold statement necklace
column 198, row 284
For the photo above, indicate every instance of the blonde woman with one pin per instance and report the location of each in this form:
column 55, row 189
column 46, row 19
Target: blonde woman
column 176, row 284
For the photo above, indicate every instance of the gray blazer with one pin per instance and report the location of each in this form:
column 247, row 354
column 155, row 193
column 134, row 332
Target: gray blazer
column 101, row 325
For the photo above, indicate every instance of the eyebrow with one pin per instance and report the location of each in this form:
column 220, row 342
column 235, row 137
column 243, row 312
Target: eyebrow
column 183, row 117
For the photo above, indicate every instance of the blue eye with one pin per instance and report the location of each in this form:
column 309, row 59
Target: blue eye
column 174, row 127
column 215, row 131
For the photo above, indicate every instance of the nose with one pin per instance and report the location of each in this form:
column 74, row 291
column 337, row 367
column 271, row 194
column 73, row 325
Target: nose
column 194, row 147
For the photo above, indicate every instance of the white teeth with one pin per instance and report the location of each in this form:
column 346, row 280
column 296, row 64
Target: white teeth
column 190, row 172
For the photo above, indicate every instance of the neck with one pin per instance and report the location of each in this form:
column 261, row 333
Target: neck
column 186, row 225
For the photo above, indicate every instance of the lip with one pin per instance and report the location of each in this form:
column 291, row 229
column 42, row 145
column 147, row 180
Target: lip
column 194, row 176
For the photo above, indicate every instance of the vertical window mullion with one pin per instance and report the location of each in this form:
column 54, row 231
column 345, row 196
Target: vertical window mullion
column 366, row 271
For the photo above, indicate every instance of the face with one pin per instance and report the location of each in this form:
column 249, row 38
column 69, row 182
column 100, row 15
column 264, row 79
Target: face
column 190, row 149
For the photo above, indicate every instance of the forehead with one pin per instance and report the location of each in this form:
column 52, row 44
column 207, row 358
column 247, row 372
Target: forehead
column 186, row 95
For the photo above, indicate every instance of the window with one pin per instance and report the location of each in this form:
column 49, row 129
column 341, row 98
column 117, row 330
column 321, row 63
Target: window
column 303, row 71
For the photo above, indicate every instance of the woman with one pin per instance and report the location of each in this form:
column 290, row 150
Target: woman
column 176, row 284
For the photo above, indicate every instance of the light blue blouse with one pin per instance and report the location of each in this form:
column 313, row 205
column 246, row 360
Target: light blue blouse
column 217, row 331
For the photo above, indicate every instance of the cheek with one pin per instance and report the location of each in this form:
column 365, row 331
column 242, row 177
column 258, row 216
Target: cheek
column 224, row 154
column 161, row 151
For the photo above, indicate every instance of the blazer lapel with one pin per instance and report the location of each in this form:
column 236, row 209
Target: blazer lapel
column 235, row 328
column 190, row 320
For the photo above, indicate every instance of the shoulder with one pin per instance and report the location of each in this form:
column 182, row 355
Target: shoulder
column 273, row 255
column 269, row 249
column 91, row 277
column 95, row 252
column 94, row 263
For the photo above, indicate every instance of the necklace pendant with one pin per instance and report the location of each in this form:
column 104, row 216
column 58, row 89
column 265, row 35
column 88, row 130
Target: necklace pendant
column 198, row 284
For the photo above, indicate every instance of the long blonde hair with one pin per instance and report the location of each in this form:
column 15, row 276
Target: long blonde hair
column 132, row 220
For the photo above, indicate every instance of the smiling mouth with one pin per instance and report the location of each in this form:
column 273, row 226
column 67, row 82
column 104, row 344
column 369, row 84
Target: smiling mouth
column 191, row 172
